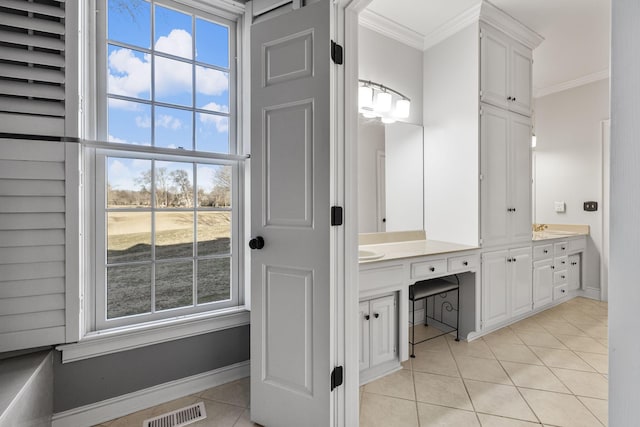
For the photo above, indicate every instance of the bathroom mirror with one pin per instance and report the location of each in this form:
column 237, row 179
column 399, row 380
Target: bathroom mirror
column 390, row 176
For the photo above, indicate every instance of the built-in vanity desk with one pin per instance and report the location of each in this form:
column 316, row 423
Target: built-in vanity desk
column 387, row 269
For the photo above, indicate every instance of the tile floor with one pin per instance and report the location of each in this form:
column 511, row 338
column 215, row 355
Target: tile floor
column 549, row 369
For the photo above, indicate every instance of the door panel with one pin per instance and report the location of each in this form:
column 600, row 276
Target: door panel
column 494, row 67
column 383, row 330
column 542, row 282
column 363, row 339
column 495, row 288
column 520, row 181
column 574, row 272
column 521, row 287
column 521, row 83
column 291, row 346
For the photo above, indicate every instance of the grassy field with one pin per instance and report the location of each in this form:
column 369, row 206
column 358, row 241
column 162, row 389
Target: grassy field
column 129, row 239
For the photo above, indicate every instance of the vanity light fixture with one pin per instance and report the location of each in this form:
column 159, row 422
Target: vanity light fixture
column 533, row 141
column 376, row 100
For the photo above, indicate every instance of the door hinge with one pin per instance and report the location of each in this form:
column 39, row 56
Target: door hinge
column 336, row 53
column 336, row 215
column 337, row 377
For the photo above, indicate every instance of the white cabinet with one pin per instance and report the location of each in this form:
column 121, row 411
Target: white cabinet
column 378, row 340
column 505, row 71
column 505, row 168
column 542, row 282
column 574, row 272
column 506, row 285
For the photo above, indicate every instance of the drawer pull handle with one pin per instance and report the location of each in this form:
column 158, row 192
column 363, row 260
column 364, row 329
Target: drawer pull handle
column 465, row 263
column 432, row 269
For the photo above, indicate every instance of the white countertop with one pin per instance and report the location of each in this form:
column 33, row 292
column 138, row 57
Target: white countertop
column 410, row 249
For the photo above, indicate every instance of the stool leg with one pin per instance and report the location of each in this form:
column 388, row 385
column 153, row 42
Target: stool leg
column 458, row 317
column 413, row 327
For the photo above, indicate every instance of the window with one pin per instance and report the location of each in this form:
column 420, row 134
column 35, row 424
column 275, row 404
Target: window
column 167, row 185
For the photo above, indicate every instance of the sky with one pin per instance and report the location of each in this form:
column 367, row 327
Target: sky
column 129, row 22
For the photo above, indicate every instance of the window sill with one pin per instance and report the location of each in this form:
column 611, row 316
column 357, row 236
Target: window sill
column 110, row 341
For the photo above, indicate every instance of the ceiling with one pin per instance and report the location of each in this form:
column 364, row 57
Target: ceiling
column 576, row 32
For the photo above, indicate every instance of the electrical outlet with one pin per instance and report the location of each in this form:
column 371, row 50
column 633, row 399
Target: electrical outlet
column 590, row 206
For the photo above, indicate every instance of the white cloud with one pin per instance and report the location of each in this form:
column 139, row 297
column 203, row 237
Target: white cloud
column 177, row 43
column 130, row 75
column 221, row 122
column 168, row 122
column 122, row 173
column 143, row 122
column 117, row 140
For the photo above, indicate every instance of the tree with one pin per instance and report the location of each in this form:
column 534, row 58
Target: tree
column 184, row 188
column 162, row 185
column 221, row 193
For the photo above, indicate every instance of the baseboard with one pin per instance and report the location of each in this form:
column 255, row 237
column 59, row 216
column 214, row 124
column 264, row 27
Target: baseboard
column 592, row 293
column 116, row 407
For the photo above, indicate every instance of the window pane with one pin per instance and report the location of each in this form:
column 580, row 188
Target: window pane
column 129, row 73
column 130, row 22
column 212, row 133
column 214, row 233
column 212, row 89
column 173, row 82
column 128, row 237
column 214, row 186
column 173, row 32
column 174, row 235
column 212, row 43
column 129, row 122
column 214, row 277
column 174, row 285
column 174, row 184
column 174, row 128
column 128, row 183
column 128, row 290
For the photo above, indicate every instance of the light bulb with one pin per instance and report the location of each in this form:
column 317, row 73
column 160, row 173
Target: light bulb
column 403, row 106
column 365, row 97
column 383, row 102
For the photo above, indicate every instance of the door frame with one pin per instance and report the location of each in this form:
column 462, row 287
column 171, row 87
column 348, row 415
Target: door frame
column 605, row 127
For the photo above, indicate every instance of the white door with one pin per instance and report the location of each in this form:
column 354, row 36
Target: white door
column 494, row 160
column 363, row 340
column 495, row 288
column 542, row 282
column 521, row 288
column 520, row 79
column 494, row 67
column 383, row 329
column 291, row 322
column 520, row 178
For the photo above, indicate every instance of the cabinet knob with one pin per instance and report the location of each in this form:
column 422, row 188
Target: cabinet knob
column 563, row 290
column 553, row 267
column 376, row 315
column 509, row 259
column 432, row 269
column 513, row 99
column 546, row 251
column 509, row 98
column 515, row 259
column 563, row 262
column 563, row 277
column 465, row 263
column 513, row 210
column 574, row 263
column 367, row 317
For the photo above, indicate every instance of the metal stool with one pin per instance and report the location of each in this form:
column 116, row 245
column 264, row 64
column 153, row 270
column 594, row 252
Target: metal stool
column 425, row 289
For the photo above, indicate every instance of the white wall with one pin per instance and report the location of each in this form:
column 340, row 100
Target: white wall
column 569, row 163
column 624, row 292
column 451, row 138
column 393, row 64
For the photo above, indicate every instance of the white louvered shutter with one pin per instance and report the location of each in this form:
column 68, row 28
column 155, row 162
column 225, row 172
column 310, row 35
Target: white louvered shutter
column 32, row 67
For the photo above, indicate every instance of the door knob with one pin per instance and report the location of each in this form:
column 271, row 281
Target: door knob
column 256, row 243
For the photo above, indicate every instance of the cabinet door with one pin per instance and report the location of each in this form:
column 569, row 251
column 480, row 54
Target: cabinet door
column 520, row 61
column 494, row 67
column 520, row 178
column 542, row 282
column 521, row 286
column 494, row 145
column 495, row 288
column 574, row 272
column 363, row 338
column 383, row 329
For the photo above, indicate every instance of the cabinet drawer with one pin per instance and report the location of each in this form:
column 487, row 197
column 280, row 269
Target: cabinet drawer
column 542, row 251
column 462, row 263
column 380, row 278
column 560, row 248
column 421, row 270
column 577, row 245
column 560, row 276
column 561, row 263
column 560, row 291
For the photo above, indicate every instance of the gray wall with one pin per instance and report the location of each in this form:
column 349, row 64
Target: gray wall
column 624, row 292
column 99, row 378
column 568, row 163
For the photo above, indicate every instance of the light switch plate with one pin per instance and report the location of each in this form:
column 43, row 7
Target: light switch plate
column 560, row 207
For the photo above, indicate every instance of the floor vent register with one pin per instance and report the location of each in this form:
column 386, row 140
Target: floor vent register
column 178, row 418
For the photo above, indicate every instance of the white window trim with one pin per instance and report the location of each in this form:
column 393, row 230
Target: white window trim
column 97, row 343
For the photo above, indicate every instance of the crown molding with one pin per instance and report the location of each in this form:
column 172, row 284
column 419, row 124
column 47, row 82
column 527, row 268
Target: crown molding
column 391, row 29
column 506, row 23
column 589, row 78
column 452, row 26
